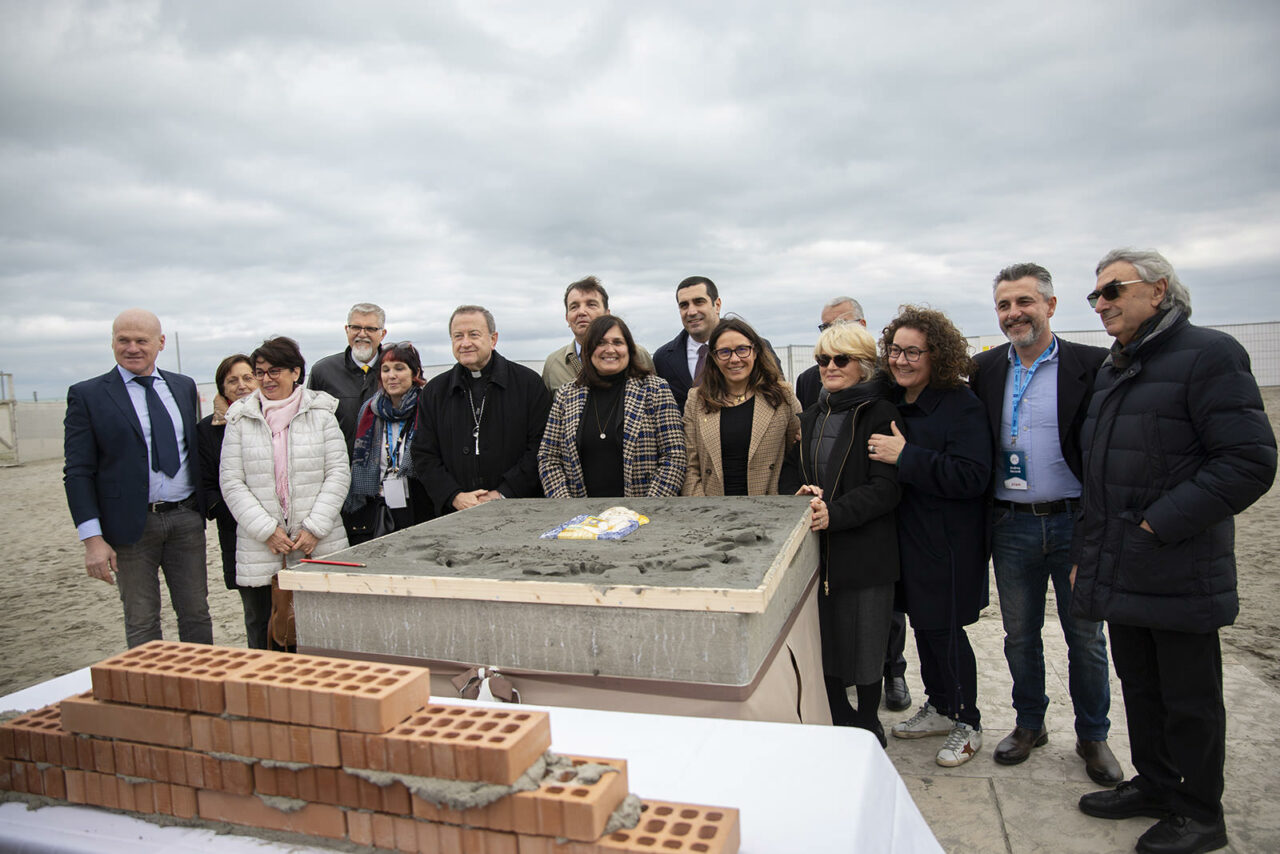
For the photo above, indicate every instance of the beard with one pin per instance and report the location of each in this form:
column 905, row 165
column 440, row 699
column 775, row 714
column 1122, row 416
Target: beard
column 363, row 352
column 1027, row 338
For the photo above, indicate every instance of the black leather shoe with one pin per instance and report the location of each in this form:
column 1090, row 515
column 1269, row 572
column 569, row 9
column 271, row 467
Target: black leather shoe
column 896, row 695
column 1178, row 834
column 1124, row 801
column 1017, row 745
column 1099, row 762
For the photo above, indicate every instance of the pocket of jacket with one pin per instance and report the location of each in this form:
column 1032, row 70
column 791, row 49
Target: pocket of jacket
column 1149, row 565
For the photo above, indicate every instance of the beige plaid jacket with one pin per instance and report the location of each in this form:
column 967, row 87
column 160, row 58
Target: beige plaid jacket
column 772, row 430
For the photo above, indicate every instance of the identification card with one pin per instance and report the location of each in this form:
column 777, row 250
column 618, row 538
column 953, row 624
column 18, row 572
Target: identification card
column 396, row 493
column 1014, row 468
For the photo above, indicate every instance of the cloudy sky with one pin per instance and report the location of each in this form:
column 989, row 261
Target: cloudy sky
column 248, row 168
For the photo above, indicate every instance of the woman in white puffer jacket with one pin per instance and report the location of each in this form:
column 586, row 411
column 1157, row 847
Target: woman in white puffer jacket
column 284, row 472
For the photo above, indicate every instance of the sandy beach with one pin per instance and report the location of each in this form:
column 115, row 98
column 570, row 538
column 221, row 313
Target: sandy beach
column 57, row 619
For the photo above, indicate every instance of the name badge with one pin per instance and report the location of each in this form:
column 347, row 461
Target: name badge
column 396, row 493
column 1013, row 468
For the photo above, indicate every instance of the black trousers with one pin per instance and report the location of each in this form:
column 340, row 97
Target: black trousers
column 895, row 663
column 1172, row 683
column 950, row 673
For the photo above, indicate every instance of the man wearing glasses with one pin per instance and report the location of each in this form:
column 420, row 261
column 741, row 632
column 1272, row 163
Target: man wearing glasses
column 349, row 375
column 809, row 382
column 1175, row 443
column 1036, row 391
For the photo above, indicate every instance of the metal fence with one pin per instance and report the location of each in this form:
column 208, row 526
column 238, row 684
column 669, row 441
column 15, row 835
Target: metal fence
column 31, row 431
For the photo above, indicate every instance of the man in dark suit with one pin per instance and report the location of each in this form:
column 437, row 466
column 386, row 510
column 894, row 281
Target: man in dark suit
column 680, row 361
column 1036, row 391
column 131, row 470
column 809, row 383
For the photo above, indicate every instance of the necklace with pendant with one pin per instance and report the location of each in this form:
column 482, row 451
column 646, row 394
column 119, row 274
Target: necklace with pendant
column 608, row 417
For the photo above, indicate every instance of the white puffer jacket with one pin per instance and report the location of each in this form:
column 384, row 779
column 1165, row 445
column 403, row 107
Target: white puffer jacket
column 319, row 475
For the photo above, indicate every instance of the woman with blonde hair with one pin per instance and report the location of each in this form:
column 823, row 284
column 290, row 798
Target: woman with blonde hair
column 853, row 501
column 739, row 419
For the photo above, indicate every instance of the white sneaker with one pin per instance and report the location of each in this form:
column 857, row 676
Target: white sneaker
column 927, row 721
column 961, row 745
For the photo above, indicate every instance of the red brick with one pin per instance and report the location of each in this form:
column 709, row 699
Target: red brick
column 384, row 831
column 75, row 786
column 83, row 714
column 104, row 759
column 183, row 801
column 360, row 827
column 55, row 783
column 241, row 738
column 666, row 826
column 313, row 819
column 162, row 798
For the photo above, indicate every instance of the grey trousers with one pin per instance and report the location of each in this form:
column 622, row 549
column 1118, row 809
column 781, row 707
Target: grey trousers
column 174, row 543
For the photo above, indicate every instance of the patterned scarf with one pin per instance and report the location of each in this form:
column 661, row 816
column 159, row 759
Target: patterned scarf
column 371, row 431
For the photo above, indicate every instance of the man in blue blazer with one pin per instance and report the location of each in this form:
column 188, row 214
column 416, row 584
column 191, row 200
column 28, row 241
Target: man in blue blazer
column 681, row 359
column 1036, row 390
column 131, row 470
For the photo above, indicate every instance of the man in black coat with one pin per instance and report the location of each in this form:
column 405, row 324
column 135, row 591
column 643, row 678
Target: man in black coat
column 132, row 478
column 480, row 423
column 680, row 361
column 352, row 376
column 809, row 382
column 1175, row 443
column 1036, row 390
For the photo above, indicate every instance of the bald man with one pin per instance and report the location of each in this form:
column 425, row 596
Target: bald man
column 130, row 476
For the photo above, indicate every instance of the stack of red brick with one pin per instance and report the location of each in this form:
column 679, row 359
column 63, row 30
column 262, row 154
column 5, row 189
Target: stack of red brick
column 262, row 739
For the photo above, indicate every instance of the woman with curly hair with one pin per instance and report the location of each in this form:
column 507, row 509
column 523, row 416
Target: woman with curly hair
column 615, row 430
column 740, row 418
column 942, row 450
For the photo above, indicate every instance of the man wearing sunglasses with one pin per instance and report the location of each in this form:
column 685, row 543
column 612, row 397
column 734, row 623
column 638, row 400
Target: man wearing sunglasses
column 347, row 375
column 1036, row 391
column 1175, row 443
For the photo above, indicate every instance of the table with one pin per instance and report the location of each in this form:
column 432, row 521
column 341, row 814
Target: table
column 800, row 788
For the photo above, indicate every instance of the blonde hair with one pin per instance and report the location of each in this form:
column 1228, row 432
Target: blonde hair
column 850, row 339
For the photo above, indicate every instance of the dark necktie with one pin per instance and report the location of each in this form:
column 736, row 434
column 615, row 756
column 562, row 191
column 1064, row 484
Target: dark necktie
column 164, row 444
column 702, row 363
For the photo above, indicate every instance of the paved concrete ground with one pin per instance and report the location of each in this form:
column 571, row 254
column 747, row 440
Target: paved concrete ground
column 985, row 807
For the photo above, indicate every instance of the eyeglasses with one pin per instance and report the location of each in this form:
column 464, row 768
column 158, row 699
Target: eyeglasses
column 911, row 354
column 368, row 330
column 1109, row 291
column 274, row 373
column 742, row 351
column 840, row 359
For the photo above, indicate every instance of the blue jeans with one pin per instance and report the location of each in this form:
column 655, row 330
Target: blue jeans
column 1028, row 551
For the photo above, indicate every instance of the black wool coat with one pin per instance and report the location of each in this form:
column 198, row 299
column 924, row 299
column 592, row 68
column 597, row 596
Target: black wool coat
column 944, row 470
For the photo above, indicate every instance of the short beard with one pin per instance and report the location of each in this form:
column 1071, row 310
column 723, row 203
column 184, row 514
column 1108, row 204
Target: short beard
column 363, row 353
column 1027, row 340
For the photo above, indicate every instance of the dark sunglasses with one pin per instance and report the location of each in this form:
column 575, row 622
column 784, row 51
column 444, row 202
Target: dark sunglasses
column 840, row 359
column 1110, row 291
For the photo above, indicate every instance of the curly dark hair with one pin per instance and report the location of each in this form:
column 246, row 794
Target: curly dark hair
column 948, row 350
column 765, row 378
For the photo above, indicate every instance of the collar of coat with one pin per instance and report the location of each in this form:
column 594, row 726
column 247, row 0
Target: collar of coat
column 497, row 369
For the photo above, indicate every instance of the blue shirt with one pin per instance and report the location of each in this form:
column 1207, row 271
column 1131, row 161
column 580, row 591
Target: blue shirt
column 1049, row 478
column 162, row 487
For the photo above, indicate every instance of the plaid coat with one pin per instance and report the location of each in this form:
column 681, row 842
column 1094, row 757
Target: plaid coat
column 772, row 430
column 653, row 456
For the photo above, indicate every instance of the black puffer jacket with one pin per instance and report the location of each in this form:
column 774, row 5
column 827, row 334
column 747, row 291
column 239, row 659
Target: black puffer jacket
column 1176, row 435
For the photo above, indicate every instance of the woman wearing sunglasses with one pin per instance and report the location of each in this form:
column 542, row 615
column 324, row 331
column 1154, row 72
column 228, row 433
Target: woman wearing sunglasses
column 615, row 430
column 944, row 467
column 385, row 496
column 853, row 499
column 740, row 418
column 284, row 471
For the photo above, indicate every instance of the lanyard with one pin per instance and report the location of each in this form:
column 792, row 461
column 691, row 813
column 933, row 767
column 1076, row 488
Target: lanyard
column 393, row 451
column 1020, row 385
